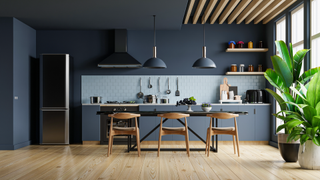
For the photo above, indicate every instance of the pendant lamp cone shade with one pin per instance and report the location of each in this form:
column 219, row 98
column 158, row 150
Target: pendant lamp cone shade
column 154, row 62
column 204, row 62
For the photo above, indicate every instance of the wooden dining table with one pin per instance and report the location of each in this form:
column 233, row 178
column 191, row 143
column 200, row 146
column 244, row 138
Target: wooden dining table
column 193, row 113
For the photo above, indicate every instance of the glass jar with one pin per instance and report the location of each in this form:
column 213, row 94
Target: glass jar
column 250, row 68
column 260, row 45
column 250, row 44
column 260, row 68
column 233, row 68
column 241, row 68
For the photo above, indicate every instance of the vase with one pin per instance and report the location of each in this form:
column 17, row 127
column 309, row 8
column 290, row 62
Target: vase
column 206, row 109
column 288, row 150
column 309, row 155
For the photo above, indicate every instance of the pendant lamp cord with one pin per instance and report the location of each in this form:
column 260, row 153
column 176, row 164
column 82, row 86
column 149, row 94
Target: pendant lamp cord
column 204, row 35
column 154, row 30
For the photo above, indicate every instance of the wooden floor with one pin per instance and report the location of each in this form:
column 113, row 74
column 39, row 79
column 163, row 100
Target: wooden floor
column 91, row 162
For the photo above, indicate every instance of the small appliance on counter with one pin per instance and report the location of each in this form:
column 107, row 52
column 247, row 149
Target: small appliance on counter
column 95, row 99
column 150, row 99
column 255, row 96
column 164, row 100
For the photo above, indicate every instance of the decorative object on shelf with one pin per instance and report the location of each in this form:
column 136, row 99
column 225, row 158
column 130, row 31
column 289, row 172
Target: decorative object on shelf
column 154, row 62
column 241, row 68
column 232, row 44
column 237, row 97
column 224, row 95
column 224, row 87
column 260, row 44
column 231, row 95
column 250, row 68
column 240, row 44
column 206, row 107
column 250, row 44
column 233, row 68
column 260, row 68
column 204, row 62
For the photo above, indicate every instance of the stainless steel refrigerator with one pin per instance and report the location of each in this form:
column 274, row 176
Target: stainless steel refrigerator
column 54, row 98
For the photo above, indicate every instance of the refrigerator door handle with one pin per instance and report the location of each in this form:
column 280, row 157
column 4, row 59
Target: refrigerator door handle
column 54, row 109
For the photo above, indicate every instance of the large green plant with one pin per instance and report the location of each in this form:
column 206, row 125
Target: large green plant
column 305, row 123
column 286, row 74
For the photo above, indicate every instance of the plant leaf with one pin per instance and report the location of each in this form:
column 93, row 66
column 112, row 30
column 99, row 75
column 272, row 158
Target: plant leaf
column 282, row 126
column 288, row 98
column 278, row 99
column 316, row 140
column 303, row 138
column 275, row 80
column 318, row 109
column 308, row 75
column 313, row 94
column 314, row 131
column 293, row 123
column 297, row 61
column 292, row 61
column 283, row 70
column 284, row 54
column 316, row 121
column 293, row 135
column 308, row 132
column 302, row 89
column 298, row 93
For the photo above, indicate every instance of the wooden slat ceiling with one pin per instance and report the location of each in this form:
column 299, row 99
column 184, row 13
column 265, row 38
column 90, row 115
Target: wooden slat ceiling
column 220, row 11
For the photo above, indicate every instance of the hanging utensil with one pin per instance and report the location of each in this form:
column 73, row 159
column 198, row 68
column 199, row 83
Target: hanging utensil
column 149, row 86
column 140, row 94
column 168, row 91
column 177, row 91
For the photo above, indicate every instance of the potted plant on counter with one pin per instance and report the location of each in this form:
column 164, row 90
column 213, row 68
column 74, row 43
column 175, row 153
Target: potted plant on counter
column 304, row 125
column 206, row 107
column 286, row 75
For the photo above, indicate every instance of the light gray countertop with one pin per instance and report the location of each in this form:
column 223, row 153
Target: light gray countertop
column 213, row 104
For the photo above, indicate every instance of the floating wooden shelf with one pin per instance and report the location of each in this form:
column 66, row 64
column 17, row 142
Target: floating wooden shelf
column 247, row 49
column 245, row 73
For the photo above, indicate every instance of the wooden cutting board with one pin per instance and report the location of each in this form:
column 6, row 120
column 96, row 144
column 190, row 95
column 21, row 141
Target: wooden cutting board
column 224, row 87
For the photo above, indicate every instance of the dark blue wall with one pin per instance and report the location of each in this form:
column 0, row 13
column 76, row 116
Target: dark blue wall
column 179, row 49
column 6, row 82
column 17, row 46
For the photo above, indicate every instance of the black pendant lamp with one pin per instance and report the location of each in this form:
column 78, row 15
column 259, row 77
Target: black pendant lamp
column 154, row 62
column 204, row 62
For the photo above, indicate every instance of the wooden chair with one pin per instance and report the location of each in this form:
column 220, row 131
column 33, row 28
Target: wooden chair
column 223, row 130
column 124, row 130
column 174, row 130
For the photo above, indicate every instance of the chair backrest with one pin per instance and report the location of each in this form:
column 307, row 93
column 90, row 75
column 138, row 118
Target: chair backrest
column 173, row 115
column 223, row 115
column 124, row 115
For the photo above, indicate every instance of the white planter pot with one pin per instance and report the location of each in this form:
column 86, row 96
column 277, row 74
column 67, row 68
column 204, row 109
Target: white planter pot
column 206, row 109
column 309, row 156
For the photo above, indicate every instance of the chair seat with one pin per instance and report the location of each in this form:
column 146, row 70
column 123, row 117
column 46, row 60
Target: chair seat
column 124, row 128
column 174, row 128
column 223, row 128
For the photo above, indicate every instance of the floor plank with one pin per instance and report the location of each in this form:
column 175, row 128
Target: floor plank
column 91, row 162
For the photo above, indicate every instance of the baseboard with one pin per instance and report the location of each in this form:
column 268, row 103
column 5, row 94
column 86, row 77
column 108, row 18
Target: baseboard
column 201, row 143
column 15, row 146
column 90, row 142
column 274, row 144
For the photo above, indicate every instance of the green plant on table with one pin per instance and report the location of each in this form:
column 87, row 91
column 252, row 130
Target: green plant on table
column 192, row 98
column 286, row 75
column 206, row 104
column 305, row 123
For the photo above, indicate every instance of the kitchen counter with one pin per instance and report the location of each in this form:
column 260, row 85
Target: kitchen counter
column 213, row 104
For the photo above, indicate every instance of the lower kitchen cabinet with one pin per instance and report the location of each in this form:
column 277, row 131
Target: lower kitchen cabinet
column 199, row 125
column 146, row 124
column 262, row 123
column 90, row 123
column 246, row 124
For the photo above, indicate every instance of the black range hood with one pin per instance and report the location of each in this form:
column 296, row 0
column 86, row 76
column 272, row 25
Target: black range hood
column 120, row 58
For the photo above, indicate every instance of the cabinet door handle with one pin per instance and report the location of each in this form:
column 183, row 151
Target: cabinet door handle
column 254, row 111
column 221, row 109
column 155, row 109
